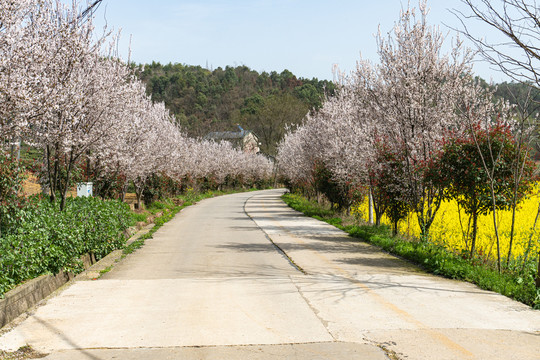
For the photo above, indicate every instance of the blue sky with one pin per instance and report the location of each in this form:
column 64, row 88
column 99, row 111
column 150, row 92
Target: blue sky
column 304, row 36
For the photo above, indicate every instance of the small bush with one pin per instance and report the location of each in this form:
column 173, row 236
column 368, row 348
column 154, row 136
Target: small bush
column 11, row 178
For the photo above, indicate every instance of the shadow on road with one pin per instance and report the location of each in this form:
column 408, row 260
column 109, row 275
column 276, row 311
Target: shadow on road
column 57, row 332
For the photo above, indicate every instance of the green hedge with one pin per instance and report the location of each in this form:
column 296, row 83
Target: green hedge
column 47, row 240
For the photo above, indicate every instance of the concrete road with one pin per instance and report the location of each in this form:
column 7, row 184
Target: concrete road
column 245, row 277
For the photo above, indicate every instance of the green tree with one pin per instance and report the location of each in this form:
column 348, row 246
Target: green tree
column 205, row 100
column 252, row 105
column 459, row 168
column 278, row 112
column 310, row 95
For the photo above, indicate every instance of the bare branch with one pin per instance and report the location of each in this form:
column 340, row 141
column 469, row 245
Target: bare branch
column 519, row 22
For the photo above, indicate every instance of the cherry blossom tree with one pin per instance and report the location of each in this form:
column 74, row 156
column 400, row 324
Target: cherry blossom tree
column 86, row 86
column 63, row 89
column 417, row 93
column 388, row 123
column 23, row 31
column 408, row 100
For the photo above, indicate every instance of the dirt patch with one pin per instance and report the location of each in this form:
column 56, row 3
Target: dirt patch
column 26, row 352
column 178, row 202
column 31, row 185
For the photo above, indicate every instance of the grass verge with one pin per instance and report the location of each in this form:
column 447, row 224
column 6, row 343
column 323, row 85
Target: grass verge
column 435, row 259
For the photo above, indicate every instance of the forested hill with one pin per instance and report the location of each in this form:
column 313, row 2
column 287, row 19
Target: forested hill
column 203, row 100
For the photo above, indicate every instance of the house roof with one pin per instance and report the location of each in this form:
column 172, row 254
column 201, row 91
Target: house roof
column 223, row 135
column 227, row 135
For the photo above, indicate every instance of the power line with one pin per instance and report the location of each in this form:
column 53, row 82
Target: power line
column 83, row 17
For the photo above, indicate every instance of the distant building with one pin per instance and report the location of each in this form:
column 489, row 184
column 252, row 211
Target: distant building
column 245, row 140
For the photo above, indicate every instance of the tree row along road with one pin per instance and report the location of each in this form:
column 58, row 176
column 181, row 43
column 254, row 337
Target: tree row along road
column 244, row 276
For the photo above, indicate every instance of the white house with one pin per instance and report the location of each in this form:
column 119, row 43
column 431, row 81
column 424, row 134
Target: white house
column 242, row 139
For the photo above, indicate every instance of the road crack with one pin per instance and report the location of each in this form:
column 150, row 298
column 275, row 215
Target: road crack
column 315, row 311
column 276, row 246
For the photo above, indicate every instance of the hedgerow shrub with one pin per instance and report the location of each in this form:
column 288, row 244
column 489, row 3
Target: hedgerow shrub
column 47, row 240
column 11, row 178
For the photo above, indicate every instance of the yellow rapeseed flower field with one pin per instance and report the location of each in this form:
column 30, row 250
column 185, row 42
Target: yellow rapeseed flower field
column 450, row 228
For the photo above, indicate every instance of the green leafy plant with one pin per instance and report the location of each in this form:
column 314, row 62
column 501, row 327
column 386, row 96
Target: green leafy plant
column 11, row 178
column 459, row 168
column 49, row 240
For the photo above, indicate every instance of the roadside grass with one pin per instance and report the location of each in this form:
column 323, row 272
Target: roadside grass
column 139, row 217
column 106, row 270
column 132, row 247
column 518, row 284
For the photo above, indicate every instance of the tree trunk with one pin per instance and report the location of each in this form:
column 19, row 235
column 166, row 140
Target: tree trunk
column 88, row 165
column 124, row 191
column 529, row 245
column 370, row 207
column 424, row 229
column 52, row 185
column 378, row 215
column 139, row 198
column 473, row 235
column 538, row 274
column 514, row 203
column 15, row 148
column 56, row 174
column 66, row 186
column 139, row 193
column 496, row 227
column 464, row 234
